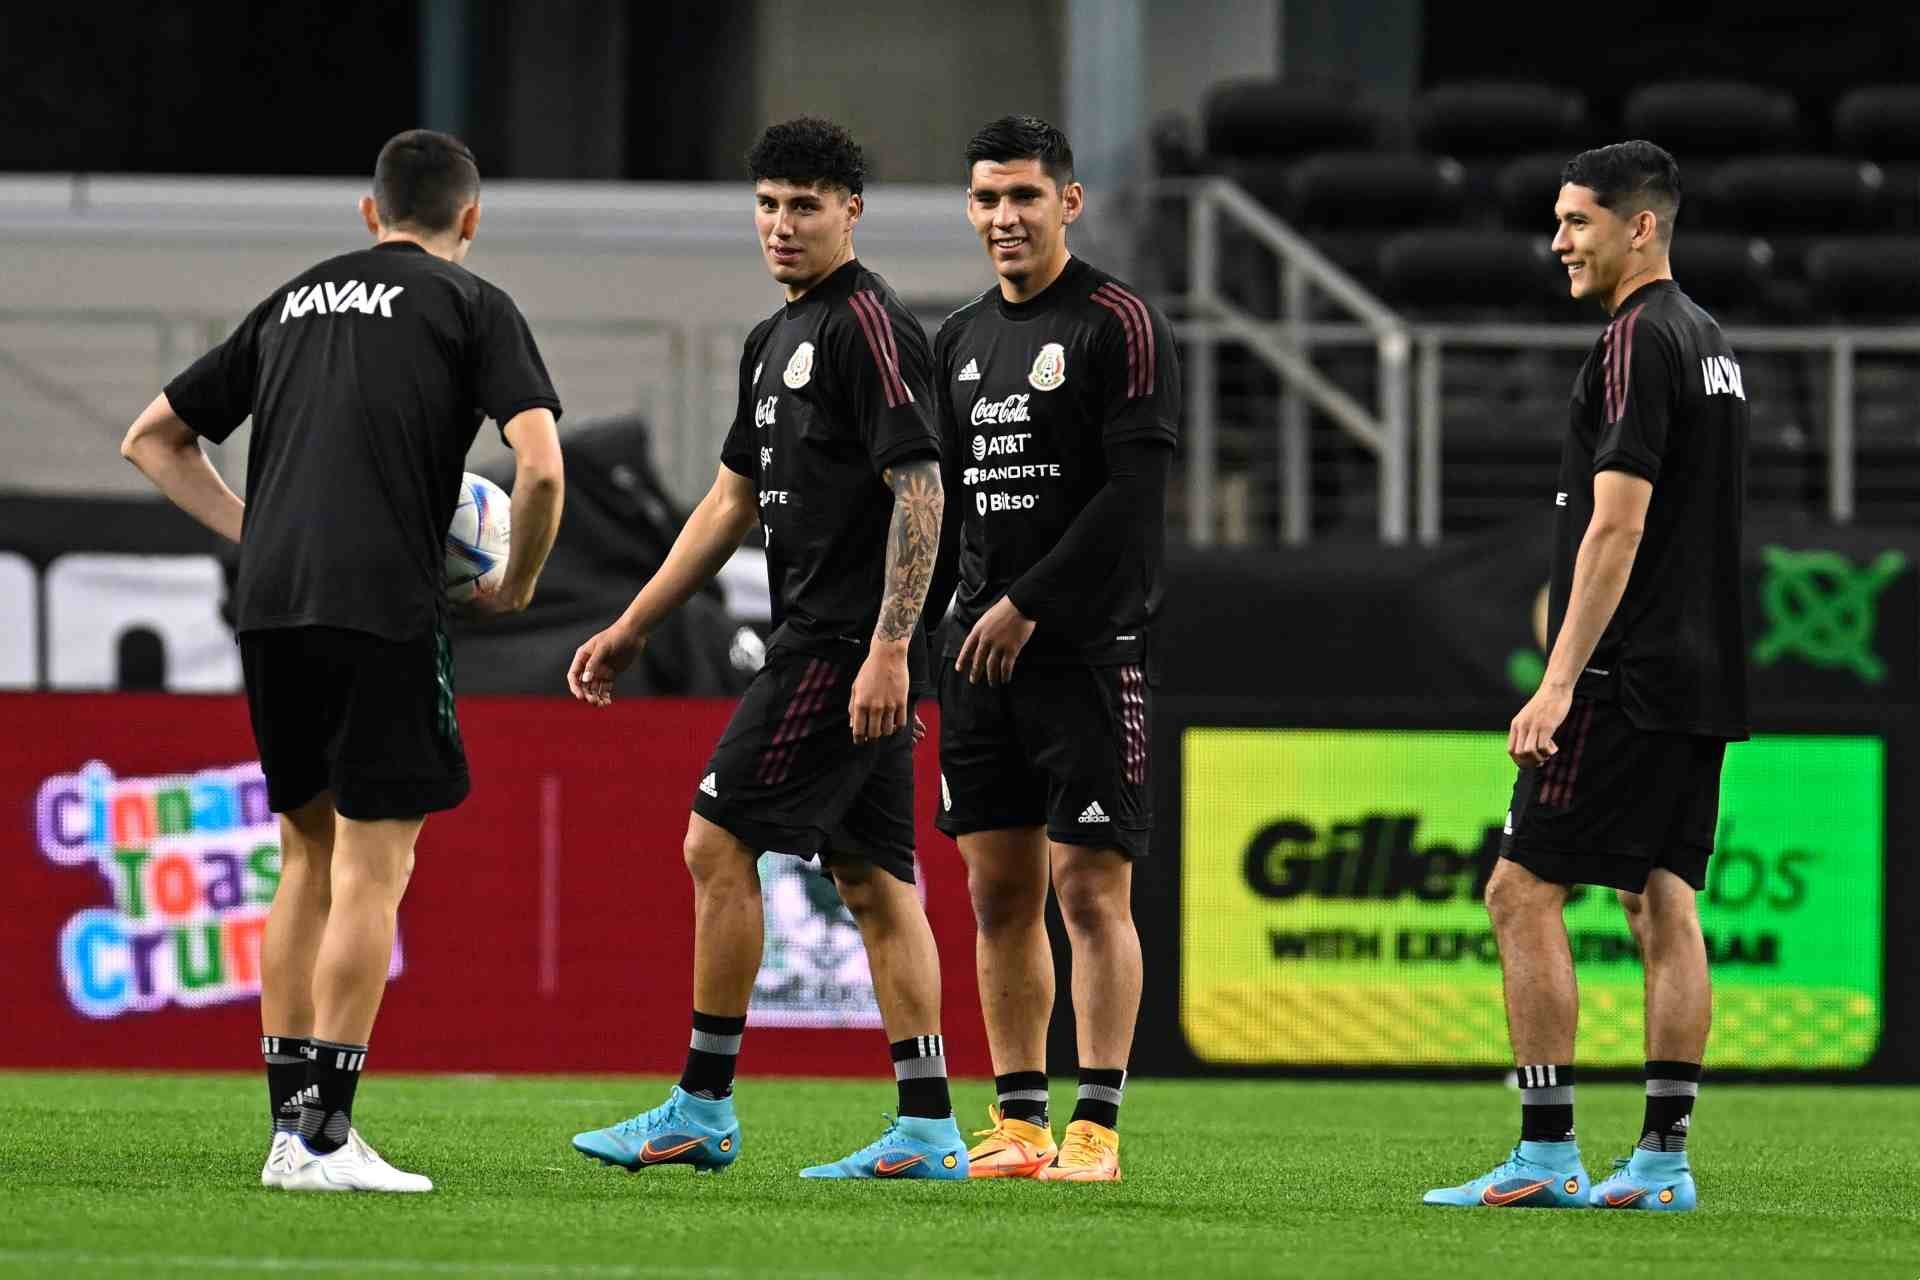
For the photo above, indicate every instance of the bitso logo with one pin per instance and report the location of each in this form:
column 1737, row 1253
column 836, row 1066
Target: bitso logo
column 800, row 368
column 192, row 862
column 1049, row 368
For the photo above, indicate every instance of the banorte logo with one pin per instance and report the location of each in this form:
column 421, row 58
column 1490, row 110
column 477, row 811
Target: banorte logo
column 192, row 862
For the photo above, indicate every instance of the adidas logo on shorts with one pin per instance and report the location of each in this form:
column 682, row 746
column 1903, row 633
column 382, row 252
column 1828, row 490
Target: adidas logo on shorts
column 1093, row 813
column 707, row 787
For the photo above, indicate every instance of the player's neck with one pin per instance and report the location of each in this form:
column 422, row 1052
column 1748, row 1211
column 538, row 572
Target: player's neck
column 445, row 246
column 795, row 292
column 1637, row 280
column 1029, row 287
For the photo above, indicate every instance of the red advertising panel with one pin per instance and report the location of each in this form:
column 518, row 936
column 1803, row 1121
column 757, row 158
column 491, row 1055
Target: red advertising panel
column 548, row 926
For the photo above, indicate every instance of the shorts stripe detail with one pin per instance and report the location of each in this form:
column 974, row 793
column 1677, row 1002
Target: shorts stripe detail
column 777, row 759
column 1558, row 774
column 1133, row 721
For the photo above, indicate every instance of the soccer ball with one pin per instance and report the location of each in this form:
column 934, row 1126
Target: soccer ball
column 478, row 538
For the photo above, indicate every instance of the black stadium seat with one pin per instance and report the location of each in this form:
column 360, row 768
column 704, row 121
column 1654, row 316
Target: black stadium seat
column 1867, row 278
column 1794, row 194
column 1495, row 119
column 1731, row 276
column 1880, row 122
column 1711, row 120
column 1450, row 272
column 1526, row 190
column 1361, row 190
column 1266, row 118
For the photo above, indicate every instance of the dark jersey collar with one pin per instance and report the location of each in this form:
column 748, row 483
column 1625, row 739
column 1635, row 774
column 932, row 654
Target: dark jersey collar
column 1644, row 293
column 1048, row 298
column 837, row 287
column 399, row 246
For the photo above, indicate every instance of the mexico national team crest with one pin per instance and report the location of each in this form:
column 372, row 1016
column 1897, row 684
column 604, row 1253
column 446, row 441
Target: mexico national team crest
column 800, row 368
column 1049, row 368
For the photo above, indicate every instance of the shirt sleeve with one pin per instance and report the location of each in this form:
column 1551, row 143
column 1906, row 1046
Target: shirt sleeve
column 1638, row 387
column 214, row 395
column 1083, row 575
column 882, row 363
column 1139, row 370
column 510, row 377
column 740, row 451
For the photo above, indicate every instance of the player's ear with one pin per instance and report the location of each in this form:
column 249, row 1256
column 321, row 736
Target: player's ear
column 1072, row 201
column 1646, row 228
column 469, row 223
column 856, row 203
column 370, row 214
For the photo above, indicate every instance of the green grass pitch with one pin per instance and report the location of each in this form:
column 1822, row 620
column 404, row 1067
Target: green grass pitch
column 157, row 1175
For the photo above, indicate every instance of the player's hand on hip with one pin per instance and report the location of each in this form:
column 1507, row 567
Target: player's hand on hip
column 1530, row 736
column 994, row 644
column 878, row 707
column 597, row 662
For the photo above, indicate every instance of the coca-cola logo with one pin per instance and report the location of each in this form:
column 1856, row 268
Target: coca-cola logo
column 1001, row 412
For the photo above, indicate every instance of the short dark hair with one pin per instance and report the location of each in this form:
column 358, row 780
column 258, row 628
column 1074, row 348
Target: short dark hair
column 424, row 179
column 809, row 152
column 1628, row 177
column 1023, row 138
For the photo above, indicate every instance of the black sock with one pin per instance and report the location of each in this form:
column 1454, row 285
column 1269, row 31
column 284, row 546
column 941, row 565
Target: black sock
column 711, row 1055
column 1099, row 1097
column 1546, row 1102
column 1671, row 1090
column 920, row 1070
column 1023, row 1096
column 286, row 1058
column 333, row 1073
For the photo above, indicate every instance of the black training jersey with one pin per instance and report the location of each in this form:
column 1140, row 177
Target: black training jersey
column 367, row 378
column 1661, row 397
column 833, row 390
column 1031, row 396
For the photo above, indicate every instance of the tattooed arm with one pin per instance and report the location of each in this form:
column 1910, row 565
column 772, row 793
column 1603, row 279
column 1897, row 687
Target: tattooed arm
column 879, row 704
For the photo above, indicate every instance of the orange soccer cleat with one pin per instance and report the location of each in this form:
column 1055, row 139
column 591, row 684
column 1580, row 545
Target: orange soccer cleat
column 1013, row 1149
column 1091, row 1153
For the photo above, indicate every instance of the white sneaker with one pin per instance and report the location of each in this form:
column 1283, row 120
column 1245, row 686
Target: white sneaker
column 279, row 1160
column 354, row 1167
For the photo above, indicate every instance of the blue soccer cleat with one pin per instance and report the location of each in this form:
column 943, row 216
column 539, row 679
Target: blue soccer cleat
column 1538, row 1175
column 684, row 1129
column 912, row 1147
column 1657, row 1180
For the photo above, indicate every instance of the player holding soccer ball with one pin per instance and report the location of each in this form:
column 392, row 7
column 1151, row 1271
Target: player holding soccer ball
column 833, row 453
column 366, row 377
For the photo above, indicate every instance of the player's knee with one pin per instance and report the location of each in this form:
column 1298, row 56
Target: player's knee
column 1003, row 903
column 715, row 861
column 1092, row 905
column 1513, row 893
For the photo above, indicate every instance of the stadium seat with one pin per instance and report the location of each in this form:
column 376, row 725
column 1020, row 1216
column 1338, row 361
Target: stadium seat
column 1448, row 273
column 1731, row 276
column 1793, row 194
column 1526, row 188
column 1268, row 118
column 1876, row 277
column 1362, row 190
column 1879, row 122
column 1711, row 120
column 1475, row 120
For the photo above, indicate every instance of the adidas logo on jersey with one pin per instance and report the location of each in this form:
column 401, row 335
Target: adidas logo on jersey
column 1093, row 813
column 707, row 787
column 327, row 298
column 969, row 374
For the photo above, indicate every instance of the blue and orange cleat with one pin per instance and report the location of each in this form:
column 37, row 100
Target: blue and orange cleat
column 684, row 1129
column 911, row 1147
column 1660, row 1181
column 1538, row 1175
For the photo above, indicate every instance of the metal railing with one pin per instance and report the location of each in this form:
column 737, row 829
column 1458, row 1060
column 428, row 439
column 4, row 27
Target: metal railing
column 1209, row 319
column 1410, row 370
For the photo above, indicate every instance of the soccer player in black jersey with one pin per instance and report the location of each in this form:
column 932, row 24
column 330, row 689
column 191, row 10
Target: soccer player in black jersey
column 834, row 454
column 1059, row 395
column 367, row 377
column 1620, row 749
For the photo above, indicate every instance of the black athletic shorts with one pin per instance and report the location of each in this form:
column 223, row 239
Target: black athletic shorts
column 1615, row 802
column 1062, row 745
column 369, row 718
column 787, row 776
